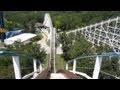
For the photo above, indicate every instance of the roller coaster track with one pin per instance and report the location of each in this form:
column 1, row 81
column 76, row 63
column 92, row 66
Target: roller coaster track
column 106, row 32
column 48, row 23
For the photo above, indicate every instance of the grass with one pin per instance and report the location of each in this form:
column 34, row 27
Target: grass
column 46, row 61
column 59, row 62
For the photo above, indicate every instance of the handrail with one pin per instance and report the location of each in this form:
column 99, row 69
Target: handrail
column 97, row 63
column 15, row 58
column 110, row 75
column 9, row 53
column 32, row 73
column 100, row 71
column 102, row 55
column 28, row 75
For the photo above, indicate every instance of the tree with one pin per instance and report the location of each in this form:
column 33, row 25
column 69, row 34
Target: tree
column 31, row 50
column 66, row 45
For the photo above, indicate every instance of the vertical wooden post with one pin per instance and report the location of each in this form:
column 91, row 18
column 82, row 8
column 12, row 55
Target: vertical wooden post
column 40, row 67
column 74, row 65
column 66, row 66
column 97, row 67
column 119, row 62
column 16, row 65
column 35, row 67
column 54, row 31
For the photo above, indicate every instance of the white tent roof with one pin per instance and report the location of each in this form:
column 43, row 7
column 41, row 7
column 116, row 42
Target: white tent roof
column 21, row 37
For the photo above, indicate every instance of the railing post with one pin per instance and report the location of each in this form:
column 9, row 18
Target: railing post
column 35, row 67
column 74, row 65
column 119, row 63
column 40, row 67
column 97, row 67
column 16, row 65
column 66, row 66
column 54, row 30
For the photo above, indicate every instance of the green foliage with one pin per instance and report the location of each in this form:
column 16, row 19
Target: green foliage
column 102, row 48
column 26, row 52
column 65, row 20
column 74, row 19
column 6, row 72
column 10, row 25
column 73, row 46
column 24, row 19
column 6, row 68
column 37, row 38
column 31, row 49
column 66, row 43
column 111, row 66
column 5, row 61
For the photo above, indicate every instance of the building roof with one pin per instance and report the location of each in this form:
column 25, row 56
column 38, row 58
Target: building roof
column 21, row 37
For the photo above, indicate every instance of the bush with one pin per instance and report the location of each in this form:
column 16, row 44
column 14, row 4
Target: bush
column 37, row 38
